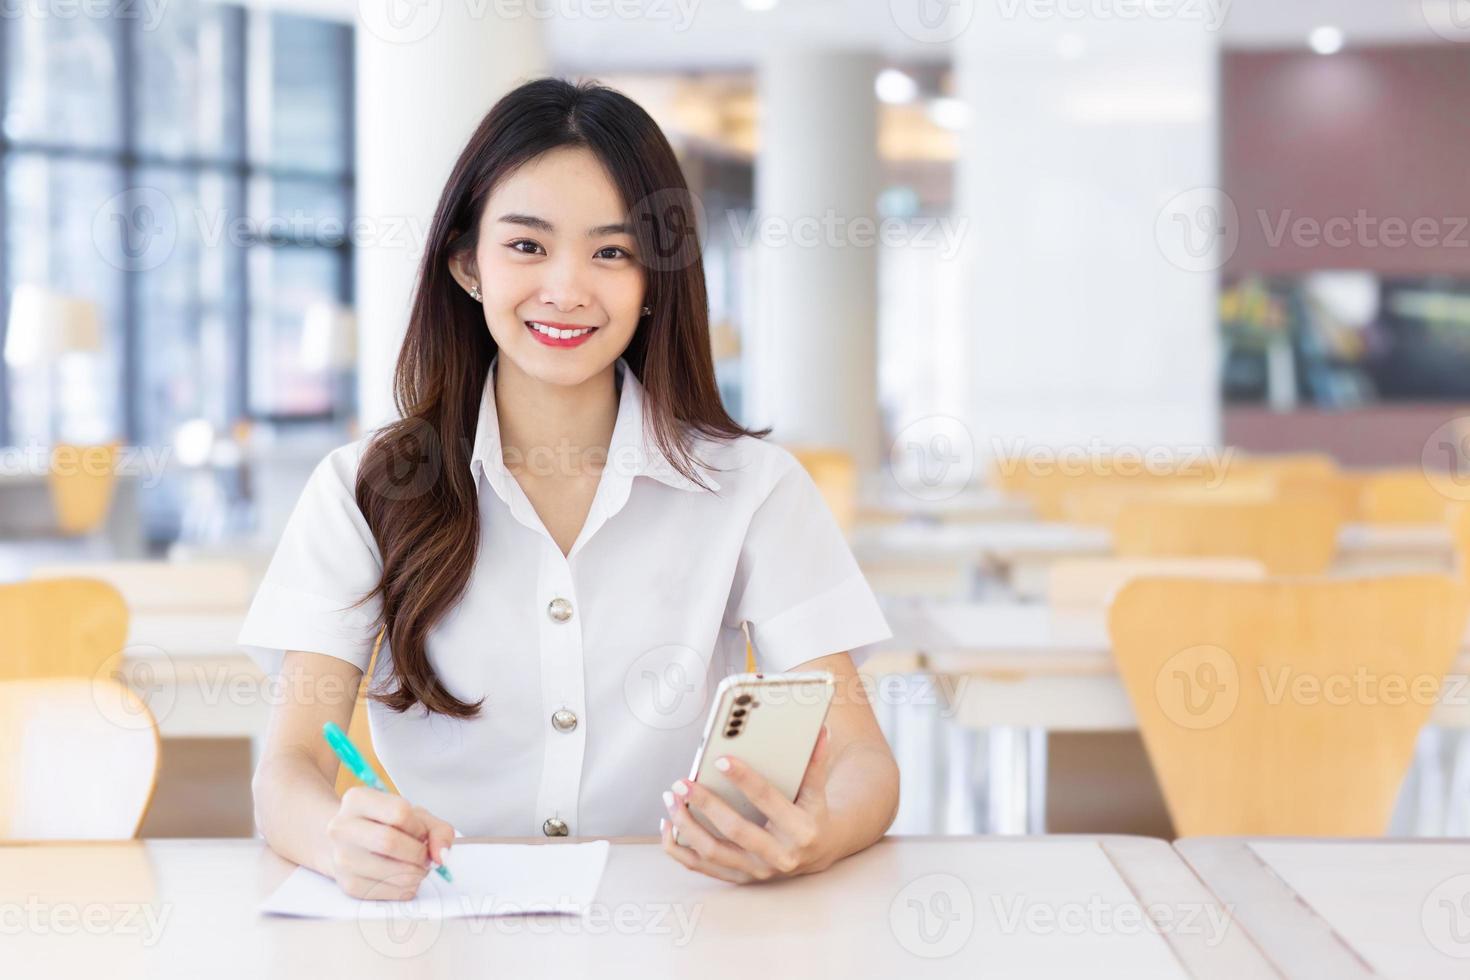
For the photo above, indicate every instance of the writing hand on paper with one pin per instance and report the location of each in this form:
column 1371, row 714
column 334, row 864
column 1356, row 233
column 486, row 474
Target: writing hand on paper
column 796, row 839
column 382, row 845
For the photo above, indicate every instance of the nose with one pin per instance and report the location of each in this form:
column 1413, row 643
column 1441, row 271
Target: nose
column 563, row 287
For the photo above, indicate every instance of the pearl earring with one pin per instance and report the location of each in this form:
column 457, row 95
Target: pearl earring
column 646, row 311
column 475, row 293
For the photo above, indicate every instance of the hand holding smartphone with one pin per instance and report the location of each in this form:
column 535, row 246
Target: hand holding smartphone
column 770, row 722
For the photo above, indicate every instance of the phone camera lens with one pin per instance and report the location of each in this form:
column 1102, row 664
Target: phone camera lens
column 738, row 712
column 732, row 732
column 743, row 699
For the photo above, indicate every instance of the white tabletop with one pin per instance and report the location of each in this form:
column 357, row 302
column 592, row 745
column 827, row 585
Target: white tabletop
column 1008, row 541
column 998, row 635
column 977, row 504
column 194, row 677
column 907, row 907
column 1346, row 909
column 187, row 632
column 1004, row 636
column 1000, row 540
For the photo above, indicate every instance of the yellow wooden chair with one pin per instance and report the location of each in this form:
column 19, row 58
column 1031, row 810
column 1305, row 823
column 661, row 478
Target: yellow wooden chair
column 1047, row 484
column 1459, row 521
column 1309, row 475
column 1401, row 497
column 81, row 481
column 1243, row 479
column 78, row 759
column 1084, row 584
column 1066, row 499
column 1283, row 465
column 1285, row 707
column 1288, row 537
column 1023, row 475
column 1343, row 490
column 1100, row 503
column 358, row 731
column 73, row 627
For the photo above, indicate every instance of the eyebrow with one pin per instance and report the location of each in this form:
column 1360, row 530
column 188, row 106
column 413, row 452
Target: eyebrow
column 541, row 224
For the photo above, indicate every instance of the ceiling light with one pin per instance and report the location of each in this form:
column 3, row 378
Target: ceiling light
column 1325, row 40
column 894, row 87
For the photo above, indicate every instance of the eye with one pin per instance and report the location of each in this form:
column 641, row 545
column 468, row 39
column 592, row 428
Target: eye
column 515, row 246
column 622, row 253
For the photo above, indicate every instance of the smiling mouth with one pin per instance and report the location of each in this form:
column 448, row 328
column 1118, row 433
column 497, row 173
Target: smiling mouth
column 554, row 336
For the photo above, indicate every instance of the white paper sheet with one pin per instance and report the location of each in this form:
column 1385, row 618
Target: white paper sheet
column 489, row 879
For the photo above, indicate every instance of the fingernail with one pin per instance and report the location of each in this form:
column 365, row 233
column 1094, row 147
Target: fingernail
column 668, row 799
column 722, row 764
column 444, row 856
column 681, row 787
column 662, row 823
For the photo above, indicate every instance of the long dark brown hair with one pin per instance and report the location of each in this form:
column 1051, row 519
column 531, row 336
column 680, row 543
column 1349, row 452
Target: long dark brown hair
column 414, row 484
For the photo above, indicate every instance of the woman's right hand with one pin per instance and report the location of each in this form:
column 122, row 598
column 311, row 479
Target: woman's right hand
column 382, row 845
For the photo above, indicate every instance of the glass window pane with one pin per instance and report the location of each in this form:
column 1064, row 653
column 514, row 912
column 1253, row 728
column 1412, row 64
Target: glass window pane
column 285, row 284
column 187, row 307
column 305, row 65
column 61, row 79
column 57, row 238
column 188, row 82
column 299, row 209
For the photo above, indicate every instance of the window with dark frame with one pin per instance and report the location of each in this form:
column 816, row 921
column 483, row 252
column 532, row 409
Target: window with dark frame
column 192, row 177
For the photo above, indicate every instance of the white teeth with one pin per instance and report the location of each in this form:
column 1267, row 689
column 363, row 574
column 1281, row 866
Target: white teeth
column 555, row 333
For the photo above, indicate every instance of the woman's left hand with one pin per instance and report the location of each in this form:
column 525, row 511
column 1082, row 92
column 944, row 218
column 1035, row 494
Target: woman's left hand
column 797, row 837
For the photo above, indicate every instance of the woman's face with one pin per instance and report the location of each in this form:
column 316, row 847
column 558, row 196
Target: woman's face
column 553, row 251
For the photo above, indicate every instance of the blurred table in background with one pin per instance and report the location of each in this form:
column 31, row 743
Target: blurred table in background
column 1019, row 552
column 28, row 517
column 893, row 504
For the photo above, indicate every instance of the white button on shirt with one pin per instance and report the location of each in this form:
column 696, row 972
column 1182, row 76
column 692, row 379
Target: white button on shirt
column 596, row 668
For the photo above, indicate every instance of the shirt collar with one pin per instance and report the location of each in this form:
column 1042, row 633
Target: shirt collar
column 631, row 452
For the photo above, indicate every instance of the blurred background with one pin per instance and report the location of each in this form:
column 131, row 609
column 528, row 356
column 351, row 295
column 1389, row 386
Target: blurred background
column 1003, row 272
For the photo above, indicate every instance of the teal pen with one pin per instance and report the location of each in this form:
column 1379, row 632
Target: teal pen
column 358, row 766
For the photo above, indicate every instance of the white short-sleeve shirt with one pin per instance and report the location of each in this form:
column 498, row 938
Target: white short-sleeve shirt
column 596, row 668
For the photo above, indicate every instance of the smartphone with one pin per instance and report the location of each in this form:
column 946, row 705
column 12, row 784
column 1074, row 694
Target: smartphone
column 771, row 723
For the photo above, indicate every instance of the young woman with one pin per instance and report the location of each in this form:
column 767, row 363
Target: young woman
column 561, row 544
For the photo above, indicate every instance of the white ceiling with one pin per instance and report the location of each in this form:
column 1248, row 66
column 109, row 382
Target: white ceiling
column 701, row 35
column 723, row 34
column 1285, row 22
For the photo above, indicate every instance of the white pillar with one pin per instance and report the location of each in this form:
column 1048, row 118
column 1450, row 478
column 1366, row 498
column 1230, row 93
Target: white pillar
column 810, row 365
column 1091, row 148
column 426, row 75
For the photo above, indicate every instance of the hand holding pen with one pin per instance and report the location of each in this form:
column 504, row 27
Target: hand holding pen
column 382, row 845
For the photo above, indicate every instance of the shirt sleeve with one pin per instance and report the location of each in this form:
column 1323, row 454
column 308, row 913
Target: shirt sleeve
column 325, row 562
column 797, row 583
